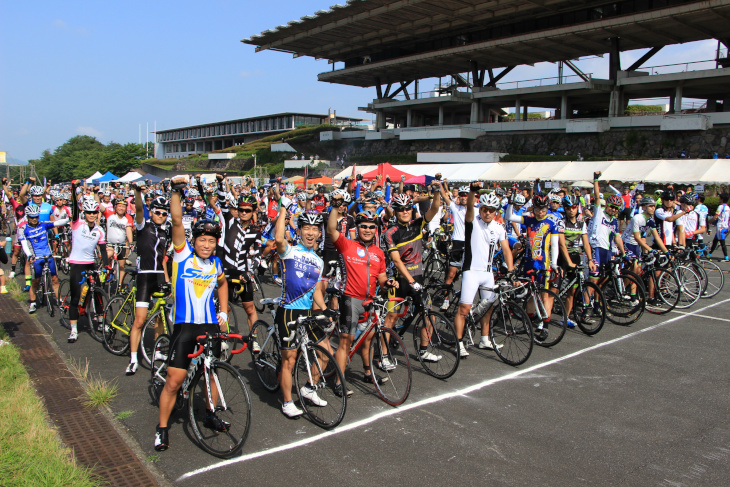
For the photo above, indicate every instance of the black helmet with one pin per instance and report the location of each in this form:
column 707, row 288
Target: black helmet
column 668, row 195
column 207, row 227
column 688, row 198
column 540, row 200
column 247, row 200
column 160, row 203
column 570, row 200
column 310, row 217
column 647, row 201
column 366, row 216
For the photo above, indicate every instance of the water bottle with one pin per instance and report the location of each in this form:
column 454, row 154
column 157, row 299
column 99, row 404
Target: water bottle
column 360, row 328
column 481, row 308
column 84, row 290
column 8, row 245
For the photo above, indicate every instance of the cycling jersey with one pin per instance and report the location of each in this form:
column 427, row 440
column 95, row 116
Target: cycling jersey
column 573, row 234
column 344, row 225
column 37, row 237
column 152, row 243
column 511, row 232
column 189, row 217
column 664, row 228
column 301, row 271
column 691, row 222
column 46, row 210
column 602, row 229
column 482, row 241
column 60, row 212
column 458, row 213
column 237, row 244
column 193, row 283
column 408, row 241
column 639, row 223
column 539, row 235
column 319, row 203
column 363, row 265
column 723, row 216
column 84, row 240
column 116, row 228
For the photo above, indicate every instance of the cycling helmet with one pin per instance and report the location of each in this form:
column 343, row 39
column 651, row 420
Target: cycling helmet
column 189, row 201
column 247, row 200
column 302, row 197
column 193, row 193
column 647, row 201
column 341, row 192
column 36, row 191
column 570, row 200
column 540, row 200
column 402, row 200
column 366, row 216
column 290, row 188
column 107, row 192
column 688, row 199
column 489, row 199
column 519, row 199
column 32, row 211
column 379, row 194
column 554, row 198
column 321, row 189
column 160, row 202
column 614, row 200
column 90, row 205
column 310, row 217
column 499, row 192
column 668, row 195
column 130, row 192
column 464, row 189
column 206, row 227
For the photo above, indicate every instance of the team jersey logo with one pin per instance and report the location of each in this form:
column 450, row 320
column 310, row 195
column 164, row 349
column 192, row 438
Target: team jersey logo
column 361, row 252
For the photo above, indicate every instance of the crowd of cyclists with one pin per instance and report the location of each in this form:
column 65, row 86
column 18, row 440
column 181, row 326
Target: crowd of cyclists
column 334, row 252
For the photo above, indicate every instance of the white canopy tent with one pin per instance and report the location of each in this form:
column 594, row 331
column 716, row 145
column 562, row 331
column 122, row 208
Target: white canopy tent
column 129, row 177
column 96, row 175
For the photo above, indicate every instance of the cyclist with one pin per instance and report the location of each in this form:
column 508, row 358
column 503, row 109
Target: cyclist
column 483, row 238
column 33, row 237
column 86, row 234
column 458, row 213
column 665, row 218
column 634, row 237
column 693, row 223
column 190, row 215
column 345, row 225
column 722, row 219
column 153, row 238
column 541, row 255
column 404, row 244
column 364, row 268
column 118, row 234
column 195, row 273
column 36, row 198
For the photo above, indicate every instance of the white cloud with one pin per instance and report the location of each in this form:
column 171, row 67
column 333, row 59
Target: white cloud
column 250, row 74
column 89, row 131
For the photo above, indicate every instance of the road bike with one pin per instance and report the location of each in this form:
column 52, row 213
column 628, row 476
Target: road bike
column 45, row 294
column 553, row 321
column 624, row 293
column 92, row 302
column 589, row 305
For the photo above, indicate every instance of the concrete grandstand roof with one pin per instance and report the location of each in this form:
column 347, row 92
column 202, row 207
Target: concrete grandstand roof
column 365, row 26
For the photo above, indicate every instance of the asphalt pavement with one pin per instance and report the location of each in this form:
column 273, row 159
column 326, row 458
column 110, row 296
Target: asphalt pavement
column 645, row 404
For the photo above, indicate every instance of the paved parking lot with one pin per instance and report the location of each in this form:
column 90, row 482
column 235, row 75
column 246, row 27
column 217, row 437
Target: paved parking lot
column 644, row 405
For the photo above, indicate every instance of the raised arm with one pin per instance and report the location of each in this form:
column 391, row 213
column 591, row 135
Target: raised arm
column 471, row 200
column 444, row 193
column 596, row 188
column 332, row 224
column 178, row 230
column 138, row 199
column 280, row 227
column 435, row 202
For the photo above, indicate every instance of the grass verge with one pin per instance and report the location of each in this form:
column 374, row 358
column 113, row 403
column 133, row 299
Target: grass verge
column 15, row 290
column 98, row 392
column 30, row 452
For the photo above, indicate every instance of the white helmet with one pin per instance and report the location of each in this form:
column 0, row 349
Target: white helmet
column 32, row 211
column 290, row 188
column 90, row 205
column 463, row 189
column 107, row 192
column 36, row 191
column 343, row 193
column 193, row 193
column 554, row 198
column 519, row 199
column 489, row 199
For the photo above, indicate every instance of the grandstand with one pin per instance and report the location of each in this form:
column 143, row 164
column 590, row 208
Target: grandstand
column 460, row 51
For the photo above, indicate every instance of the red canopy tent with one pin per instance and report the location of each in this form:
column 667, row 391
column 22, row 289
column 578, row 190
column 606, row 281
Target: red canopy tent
column 386, row 169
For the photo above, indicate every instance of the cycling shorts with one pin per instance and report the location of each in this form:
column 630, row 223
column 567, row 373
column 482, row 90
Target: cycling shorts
column 38, row 267
column 183, row 342
column 120, row 251
column 457, row 253
column 633, row 250
column 148, row 283
column 546, row 279
column 512, row 241
column 351, row 310
column 626, row 214
column 404, row 290
column 721, row 234
column 283, row 320
column 601, row 257
column 247, row 294
column 473, row 281
column 329, row 256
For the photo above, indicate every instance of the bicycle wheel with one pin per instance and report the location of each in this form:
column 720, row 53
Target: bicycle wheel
column 267, row 360
column 228, row 395
column 589, row 308
column 231, row 343
column 440, row 359
column 159, row 366
column 316, row 391
column 64, row 293
column 558, row 321
column 48, row 295
column 623, row 308
column 510, row 333
column 118, row 320
column 690, row 285
column 435, row 270
column 386, row 344
column 147, row 337
column 258, row 293
column 95, row 305
column 715, row 278
column 700, row 271
column 666, row 291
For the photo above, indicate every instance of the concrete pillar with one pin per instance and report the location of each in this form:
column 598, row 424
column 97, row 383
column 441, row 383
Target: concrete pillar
column 441, row 115
column 474, row 116
column 379, row 120
column 409, row 118
column 671, row 104
column 711, row 106
column 726, row 104
column 524, row 113
column 678, row 99
column 564, row 107
column 517, row 110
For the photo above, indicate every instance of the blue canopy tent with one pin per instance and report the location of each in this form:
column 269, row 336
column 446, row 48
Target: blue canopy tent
column 105, row 178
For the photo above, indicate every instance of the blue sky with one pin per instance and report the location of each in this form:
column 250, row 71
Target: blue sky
column 102, row 68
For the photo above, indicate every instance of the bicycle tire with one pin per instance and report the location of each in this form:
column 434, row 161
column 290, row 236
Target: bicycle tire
column 48, row 295
column 690, row 285
column 64, row 289
column 95, row 306
column 715, row 278
column 620, row 309
column 231, row 343
column 557, row 324
column 267, row 361
column 701, row 273
column 441, row 341
column 258, row 293
column 666, row 291
column 118, row 321
column 330, row 414
column 159, row 366
column 510, row 332
column 147, row 337
column 232, row 406
column 435, row 270
column 398, row 386
column 589, row 310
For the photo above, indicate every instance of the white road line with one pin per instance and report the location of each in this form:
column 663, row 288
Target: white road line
column 431, row 400
column 701, row 316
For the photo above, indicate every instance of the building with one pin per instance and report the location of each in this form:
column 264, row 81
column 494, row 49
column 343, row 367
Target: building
column 438, row 65
column 199, row 139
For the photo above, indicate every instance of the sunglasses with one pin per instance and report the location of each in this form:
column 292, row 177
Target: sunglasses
column 488, row 209
column 33, row 217
column 367, row 227
column 614, row 207
column 159, row 213
column 402, row 208
column 245, row 210
column 92, row 212
column 575, row 207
